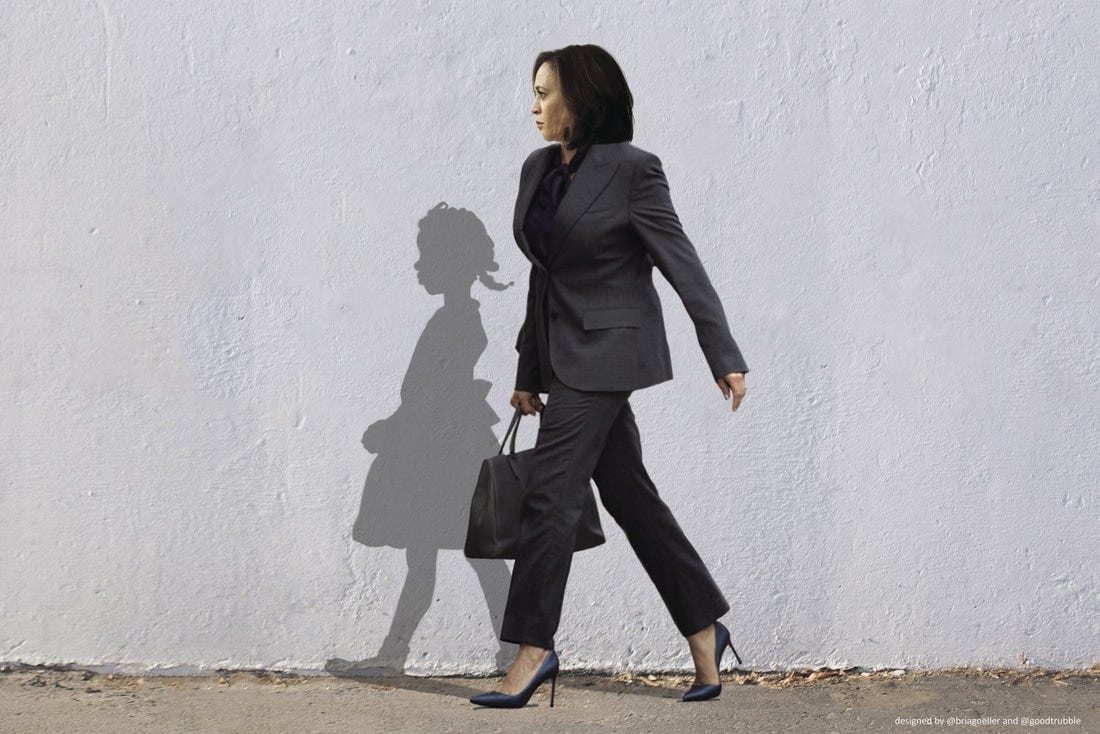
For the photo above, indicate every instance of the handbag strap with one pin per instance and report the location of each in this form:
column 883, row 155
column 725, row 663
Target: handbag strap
column 513, row 429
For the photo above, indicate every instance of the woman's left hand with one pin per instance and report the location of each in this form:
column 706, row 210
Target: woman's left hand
column 733, row 383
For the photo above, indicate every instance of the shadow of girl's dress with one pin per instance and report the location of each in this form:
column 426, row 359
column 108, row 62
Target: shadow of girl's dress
column 429, row 452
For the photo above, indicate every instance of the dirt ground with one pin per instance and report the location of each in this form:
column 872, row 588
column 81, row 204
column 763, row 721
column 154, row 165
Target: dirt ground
column 43, row 699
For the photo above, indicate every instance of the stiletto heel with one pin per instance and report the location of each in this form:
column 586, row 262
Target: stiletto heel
column 710, row 690
column 735, row 653
column 498, row 699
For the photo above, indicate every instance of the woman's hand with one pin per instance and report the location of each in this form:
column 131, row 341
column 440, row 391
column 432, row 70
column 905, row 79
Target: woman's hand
column 528, row 402
column 733, row 383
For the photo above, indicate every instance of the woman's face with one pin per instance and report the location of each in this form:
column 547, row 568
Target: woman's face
column 551, row 114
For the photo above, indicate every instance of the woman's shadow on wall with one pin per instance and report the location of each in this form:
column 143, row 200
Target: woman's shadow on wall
column 429, row 452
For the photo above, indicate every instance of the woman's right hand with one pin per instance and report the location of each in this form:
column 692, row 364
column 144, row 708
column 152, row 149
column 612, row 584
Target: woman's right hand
column 528, row 402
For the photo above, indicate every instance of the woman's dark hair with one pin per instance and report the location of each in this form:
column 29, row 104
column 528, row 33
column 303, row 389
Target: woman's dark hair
column 595, row 92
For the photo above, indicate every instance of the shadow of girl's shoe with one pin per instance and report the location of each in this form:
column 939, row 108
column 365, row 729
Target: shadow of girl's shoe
column 371, row 667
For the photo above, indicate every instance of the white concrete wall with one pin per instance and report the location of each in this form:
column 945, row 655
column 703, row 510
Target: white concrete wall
column 210, row 216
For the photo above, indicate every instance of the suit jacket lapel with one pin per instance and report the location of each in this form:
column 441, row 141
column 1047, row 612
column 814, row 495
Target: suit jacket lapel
column 592, row 177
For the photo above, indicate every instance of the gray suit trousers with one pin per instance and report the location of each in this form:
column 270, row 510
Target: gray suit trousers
column 582, row 435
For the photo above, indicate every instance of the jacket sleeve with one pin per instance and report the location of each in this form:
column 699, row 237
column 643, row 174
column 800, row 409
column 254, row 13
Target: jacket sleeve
column 527, row 369
column 654, row 219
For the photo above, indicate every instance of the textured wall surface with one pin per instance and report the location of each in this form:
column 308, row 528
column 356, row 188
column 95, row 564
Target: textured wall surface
column 241, row 422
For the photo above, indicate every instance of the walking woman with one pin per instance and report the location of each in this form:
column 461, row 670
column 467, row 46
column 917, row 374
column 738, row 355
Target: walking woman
column 594, row 215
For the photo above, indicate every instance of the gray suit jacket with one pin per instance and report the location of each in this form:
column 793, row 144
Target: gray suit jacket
column 592, row 310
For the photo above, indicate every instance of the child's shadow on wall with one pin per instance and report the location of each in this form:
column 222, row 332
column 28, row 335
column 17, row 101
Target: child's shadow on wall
column 429, row 452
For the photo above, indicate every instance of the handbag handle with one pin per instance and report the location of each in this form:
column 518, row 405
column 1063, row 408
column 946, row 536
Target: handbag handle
column 513, row 428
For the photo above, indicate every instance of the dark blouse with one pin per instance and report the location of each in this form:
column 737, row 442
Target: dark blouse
column 544, row 204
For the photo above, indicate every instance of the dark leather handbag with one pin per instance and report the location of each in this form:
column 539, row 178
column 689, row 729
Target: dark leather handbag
column 495, row 510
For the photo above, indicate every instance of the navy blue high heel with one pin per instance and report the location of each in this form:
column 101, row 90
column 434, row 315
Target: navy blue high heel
column 711, row 690
column 497, row 699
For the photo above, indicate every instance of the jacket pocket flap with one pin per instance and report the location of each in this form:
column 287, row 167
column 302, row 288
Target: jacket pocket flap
column 603, row 318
